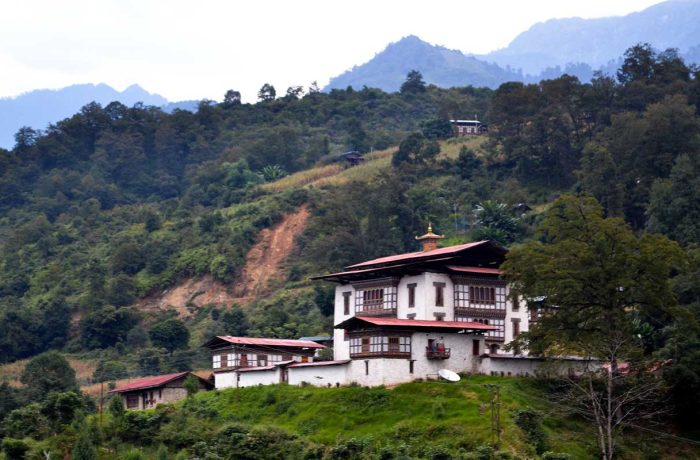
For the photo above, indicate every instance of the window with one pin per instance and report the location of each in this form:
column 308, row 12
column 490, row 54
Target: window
column 480, row 297
column 516, row 327
column 274, row 359
column 346, row 302
column 498, row 333
column 262, row 360
column 376, row 300
column 393, row 344
column 366, row 367
column 439, row 294
column 252, row 360
column 378, row 345
column 216, row 361
column 412, row 295
column 410, row 366
column 224, row 361
column 515, row 302
column 475, row 347
column 373, row 298
column 365, row 344
column 132, row 401
column 232, row 359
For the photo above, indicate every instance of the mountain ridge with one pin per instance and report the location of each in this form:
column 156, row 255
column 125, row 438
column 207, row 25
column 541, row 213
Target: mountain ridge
column 38, row 108
column 546, row 50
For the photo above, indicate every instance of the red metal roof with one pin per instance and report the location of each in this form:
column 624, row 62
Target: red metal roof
column 320, row 363
column 484, row 270
column 382, row 321
column 149, row 382
column 269, row 342
column 419, row 255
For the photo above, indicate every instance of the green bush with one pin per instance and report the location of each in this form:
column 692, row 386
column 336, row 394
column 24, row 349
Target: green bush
column 556, row 456
column 530, row 422
column 133, row 454
column 15, row 449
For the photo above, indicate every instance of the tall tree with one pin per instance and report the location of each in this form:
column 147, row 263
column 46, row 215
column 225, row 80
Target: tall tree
column 267, row 92
column 170, row 334
column 603, row 285
column 414, row 83
column 48, row 372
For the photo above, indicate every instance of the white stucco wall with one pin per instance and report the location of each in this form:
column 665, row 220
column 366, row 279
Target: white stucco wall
column 403, row 311
column 525, row 366
column 520, row 313
column 224, row 380
column 341, row 347
column 389, row 371
column 429, row 294
column 318, row 375
column 266, row 377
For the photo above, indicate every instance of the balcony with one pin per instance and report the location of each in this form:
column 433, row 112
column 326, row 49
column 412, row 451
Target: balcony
column 367, row 310
column 440, row 353
column 480, row 312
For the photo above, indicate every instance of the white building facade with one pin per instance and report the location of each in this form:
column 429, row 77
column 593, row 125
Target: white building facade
column 397, row 319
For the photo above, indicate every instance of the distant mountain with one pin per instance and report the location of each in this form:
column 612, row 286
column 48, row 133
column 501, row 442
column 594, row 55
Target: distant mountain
column 38, row 108
column 596, row 42
column 440, row 66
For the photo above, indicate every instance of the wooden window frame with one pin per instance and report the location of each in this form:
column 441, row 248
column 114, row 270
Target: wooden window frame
column 346, row 302
column 439, row 294
column 412, row 295
column 130, row 401
column 516, row 326
column 380, row 344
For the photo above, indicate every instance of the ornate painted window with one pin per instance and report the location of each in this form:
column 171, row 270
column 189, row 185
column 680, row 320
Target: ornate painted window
column 380, row 345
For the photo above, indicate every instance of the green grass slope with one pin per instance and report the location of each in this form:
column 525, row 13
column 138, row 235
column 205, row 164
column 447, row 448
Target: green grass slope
column 416, row 420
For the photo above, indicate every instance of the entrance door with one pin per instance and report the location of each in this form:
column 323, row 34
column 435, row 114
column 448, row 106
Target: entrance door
column 475, row 347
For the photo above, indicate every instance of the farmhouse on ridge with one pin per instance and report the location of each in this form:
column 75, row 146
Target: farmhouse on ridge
column 148, row 392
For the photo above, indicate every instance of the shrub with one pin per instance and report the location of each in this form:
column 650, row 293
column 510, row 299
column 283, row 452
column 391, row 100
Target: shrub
column 530, row 422
column 556, row 456
column 438, row 409
column 133, row 454
column 269, row 399
column 15, row 449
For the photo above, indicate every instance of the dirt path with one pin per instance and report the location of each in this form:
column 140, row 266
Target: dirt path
column 266, row 258
column 264, row 264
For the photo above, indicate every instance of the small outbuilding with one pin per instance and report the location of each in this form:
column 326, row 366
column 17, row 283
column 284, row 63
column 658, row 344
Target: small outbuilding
column 468, row 127
column 148, row 392
column 353, row 157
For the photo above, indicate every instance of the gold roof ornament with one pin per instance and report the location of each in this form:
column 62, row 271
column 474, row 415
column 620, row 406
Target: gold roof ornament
column 430, row 239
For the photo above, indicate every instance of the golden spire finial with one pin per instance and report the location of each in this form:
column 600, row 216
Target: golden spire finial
column 430, row 227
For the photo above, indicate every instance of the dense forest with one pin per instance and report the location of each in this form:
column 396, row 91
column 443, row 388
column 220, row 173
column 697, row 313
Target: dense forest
column 118, row 203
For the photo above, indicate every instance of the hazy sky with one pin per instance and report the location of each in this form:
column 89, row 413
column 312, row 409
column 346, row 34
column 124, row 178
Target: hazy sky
column 199, row 49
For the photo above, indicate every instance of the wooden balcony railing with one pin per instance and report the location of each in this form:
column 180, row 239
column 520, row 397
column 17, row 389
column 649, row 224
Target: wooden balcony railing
column 442, row 353
column 368, row 311
column 481, row 312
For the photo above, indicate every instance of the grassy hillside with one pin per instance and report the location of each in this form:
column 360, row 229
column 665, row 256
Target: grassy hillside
column 420, row 420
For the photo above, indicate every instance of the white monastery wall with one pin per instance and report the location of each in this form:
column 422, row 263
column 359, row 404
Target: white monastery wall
column 225, row 380
column 318, row 375
column 266, row 377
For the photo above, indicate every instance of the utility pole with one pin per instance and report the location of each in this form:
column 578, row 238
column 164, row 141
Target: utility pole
column 495, row 413
column 102, row 399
